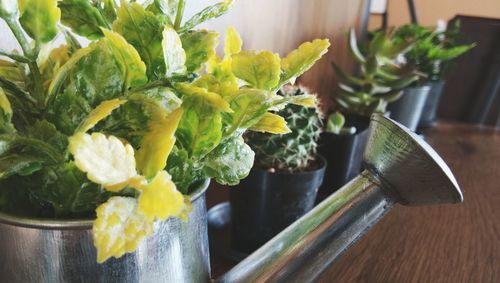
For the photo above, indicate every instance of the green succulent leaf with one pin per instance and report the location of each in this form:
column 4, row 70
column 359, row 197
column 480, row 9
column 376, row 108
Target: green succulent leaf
column 302, row 59
column 142, row 29
column 347, row 78
column 199, row 47
column 354, row 49
column 230, row 162
column 402, row 82
column 39, row 18
column 83, row 18
column 206, row 14
column 260, row 70
column 335, row 123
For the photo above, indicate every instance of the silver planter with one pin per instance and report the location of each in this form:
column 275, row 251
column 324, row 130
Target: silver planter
column 408, row 109
column 34, row 250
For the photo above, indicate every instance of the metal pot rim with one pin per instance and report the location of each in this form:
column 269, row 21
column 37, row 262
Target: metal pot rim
column 74, row 224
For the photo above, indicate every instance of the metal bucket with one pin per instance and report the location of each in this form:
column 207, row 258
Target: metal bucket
column 39, row 250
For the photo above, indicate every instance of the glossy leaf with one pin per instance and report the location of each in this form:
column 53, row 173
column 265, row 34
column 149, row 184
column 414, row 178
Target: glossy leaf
column 143, row 30
column 260, row 70
column 233, row 42
column 131, row 65
column 229, row 162
column 201, row 95
column 249, row 106
column 199, row 47
column 119, row 228
column 83, row 18
column 206, row 14
column 106, row 160
column 271, row 123
column 157, row 143
column 160, row 199
column 173, row 53
column 102, row 111
column 39, row 18
column 302, row 59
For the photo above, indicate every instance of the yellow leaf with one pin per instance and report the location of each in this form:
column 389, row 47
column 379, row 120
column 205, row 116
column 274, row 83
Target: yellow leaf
column 271, row 123
column 210, row 97
column 119, row 228
column 306, row 100
column 157, row 143
column 106, row 160
column 100, row 112
column 160, row 198
column 259, row 69
column 4, row 103
column 233, row 42
column 301, row 59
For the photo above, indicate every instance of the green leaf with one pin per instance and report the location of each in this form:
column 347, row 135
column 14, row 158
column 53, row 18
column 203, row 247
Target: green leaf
column 446, row 54
column 108, row 9
column 260, row 70
column 167, row 8
column 230, row 162
column 143, row 30
column 39, row 18
column 302, row 59
column 335, row 123
column 131, row 65
column 68, row 110
column 182, row 169
column 402, row 82
column 271, row 123
column 347, row 78
column 83, row 18
column 173, row 53
column 206, row 14
column 5, row 108
column 354, row 49
column 14, row 163
column 249, row 106
column 45, row 131
column 9, row 9
column 199, row 47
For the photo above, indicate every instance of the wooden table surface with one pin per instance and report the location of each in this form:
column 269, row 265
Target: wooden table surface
column 445, row 243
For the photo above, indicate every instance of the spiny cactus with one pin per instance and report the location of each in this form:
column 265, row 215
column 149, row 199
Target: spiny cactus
column 292, row 151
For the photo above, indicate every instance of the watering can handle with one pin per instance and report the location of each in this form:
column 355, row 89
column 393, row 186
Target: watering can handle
column 401, row 168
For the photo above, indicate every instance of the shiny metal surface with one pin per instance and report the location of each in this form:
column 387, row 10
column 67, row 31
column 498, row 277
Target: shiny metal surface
column 401, row 167
column 62, row 251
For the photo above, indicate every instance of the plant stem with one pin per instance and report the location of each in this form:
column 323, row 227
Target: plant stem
column 16, row 29
column 179, row 14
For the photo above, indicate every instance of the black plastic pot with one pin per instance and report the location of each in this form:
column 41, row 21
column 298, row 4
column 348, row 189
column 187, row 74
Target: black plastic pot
column 344, row 154
column 428, row 118
column 265, row 203
column 408, row 109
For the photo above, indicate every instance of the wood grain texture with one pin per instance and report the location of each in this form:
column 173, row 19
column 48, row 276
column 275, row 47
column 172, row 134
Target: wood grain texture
column 281, row 25
column 446, row 243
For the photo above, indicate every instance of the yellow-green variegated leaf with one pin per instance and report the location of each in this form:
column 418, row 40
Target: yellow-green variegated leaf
column 306, row 100
column 119, row 228
column 82, row 17
column 209, row 12
column 271, row 123
column 173, row 53
column 133, row 69
column 249, row 105
column 5, row 106
column 39, row 18
column 157, row 144
column 260, row 70
column 160, row 198
column 142, row 29
column 199, row 46
column 232, row 44
column 102, row 111
column 8, row 9
column 207, row 97
column 106, row 160
column 301, row 59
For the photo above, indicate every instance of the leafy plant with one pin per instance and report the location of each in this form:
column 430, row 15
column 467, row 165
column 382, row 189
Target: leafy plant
column 432, row 49
column 127, row 124
column 292, row 150
column 380, row 79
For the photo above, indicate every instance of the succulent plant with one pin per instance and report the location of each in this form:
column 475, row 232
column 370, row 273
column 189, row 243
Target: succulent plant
column 380, row 80
column 292, row 151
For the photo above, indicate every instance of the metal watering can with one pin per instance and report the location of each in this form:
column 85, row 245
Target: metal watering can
column 400, row 168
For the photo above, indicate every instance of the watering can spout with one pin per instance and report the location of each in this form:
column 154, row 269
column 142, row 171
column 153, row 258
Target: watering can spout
column 400, row 168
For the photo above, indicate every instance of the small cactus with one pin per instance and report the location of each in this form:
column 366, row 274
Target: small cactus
column 292, row 151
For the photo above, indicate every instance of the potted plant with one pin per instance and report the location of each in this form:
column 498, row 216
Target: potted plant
column 283, row 184
column 110, row 145
column 429, row 55
column 379, row 82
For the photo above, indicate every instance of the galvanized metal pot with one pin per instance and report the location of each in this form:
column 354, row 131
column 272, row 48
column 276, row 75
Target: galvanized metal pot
column 34, row 250
column 408, row 109
column 428, row 118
